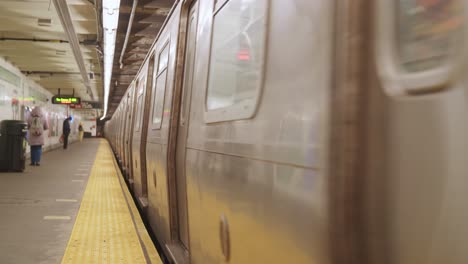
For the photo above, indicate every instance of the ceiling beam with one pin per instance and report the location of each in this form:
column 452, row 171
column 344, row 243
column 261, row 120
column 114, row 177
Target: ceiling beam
column 153, row 19
column 148, row 31
column 160, row 4
column 65, row 18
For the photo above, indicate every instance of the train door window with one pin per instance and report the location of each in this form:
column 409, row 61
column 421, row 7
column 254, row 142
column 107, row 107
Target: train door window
column 219, row 3
column 160, row 91
column 139, row 105
column 417, row 42
column 129, row 106
column 425, row 31
column 237, row 59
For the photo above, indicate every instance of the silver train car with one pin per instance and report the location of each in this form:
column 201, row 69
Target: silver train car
column 270, row 131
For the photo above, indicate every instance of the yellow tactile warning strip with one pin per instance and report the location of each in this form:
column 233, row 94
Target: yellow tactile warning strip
column 108, row 228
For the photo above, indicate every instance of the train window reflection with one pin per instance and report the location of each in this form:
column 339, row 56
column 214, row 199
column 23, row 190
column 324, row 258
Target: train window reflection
column 159, row 100
column 139, row 110
column 163, row 58
column 426, row 31
column 237, row 54
column 160, row 90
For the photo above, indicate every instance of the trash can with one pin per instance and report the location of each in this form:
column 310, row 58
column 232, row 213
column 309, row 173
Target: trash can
column 12, row 145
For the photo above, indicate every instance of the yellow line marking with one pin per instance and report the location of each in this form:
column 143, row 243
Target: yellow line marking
column 66, row 200
column 104, row 231
column 57, row 217
column 143, row 233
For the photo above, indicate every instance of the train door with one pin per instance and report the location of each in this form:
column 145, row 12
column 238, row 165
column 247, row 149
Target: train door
column 132, row 121
column 141, row 131
column 413, row 64
column 128, row 125
column 124, row 132
column 149, row 83
column 184, row 124
column 122, row 122
column 161, row 134
column 119, row 134
column 139, row 187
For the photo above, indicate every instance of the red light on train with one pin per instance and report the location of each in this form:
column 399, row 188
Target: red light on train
column 243, row 55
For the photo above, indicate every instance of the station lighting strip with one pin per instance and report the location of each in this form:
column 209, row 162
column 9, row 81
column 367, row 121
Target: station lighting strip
column 110, row 21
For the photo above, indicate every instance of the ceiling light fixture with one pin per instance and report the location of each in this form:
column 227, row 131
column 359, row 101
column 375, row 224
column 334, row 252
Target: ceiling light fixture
column 110, row 19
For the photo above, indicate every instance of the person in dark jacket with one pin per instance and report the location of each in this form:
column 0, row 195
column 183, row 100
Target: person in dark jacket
column 66, row 132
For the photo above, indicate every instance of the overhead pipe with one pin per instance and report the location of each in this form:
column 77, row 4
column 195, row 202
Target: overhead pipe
column 176, row 3
column 85, row 42
column 129, row 29
column 67, row 24
column 53, row 73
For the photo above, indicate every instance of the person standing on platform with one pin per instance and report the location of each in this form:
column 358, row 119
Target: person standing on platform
column 81, row 131
column 66, row 131
column 37, row 124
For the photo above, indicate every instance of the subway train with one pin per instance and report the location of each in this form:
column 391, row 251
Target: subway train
column 270, row 131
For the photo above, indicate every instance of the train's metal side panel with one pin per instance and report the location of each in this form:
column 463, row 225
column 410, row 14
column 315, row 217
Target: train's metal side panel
column 157, row 142
column 418, row 162
column 258, row 186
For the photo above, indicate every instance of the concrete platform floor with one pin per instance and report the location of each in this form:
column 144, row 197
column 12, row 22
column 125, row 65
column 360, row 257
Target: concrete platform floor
column 38, row 208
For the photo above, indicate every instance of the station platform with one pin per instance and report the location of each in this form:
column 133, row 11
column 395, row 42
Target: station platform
column 74, row 208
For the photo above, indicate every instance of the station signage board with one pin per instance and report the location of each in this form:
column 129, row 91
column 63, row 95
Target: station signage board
column 86, row 105
column 66, row 100
column 76, row 106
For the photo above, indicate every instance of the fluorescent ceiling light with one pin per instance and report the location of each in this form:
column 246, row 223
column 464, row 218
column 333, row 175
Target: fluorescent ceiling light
column 110, row 21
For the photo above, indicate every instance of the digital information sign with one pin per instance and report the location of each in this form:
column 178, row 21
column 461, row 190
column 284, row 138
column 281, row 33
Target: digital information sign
column 66, row 100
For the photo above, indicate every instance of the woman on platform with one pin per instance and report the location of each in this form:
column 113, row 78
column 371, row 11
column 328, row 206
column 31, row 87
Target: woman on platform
column 37, row 124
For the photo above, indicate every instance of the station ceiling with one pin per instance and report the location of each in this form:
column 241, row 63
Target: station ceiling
column 34, row 38
column 148, row 20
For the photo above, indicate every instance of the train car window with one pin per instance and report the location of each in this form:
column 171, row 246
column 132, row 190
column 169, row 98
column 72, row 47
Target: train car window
column 139, row 105
column 237, row 59
column 163, row 59
column 219, row 4
column 426, row 31
column 160, row 92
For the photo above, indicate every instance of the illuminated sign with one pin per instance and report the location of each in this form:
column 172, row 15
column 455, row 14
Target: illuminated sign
column 67, row 100
column 243, row 55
